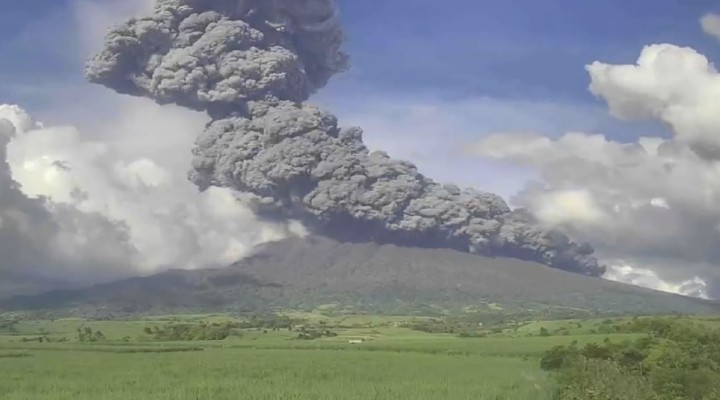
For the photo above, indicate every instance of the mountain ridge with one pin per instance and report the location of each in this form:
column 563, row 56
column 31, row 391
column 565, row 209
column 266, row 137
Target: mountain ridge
column 306, row 272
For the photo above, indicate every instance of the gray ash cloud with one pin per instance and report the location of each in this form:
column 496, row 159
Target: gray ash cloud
column 252, row 65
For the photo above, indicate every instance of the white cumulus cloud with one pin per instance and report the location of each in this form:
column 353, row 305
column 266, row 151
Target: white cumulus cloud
column 134, row 179
column 654, row 201
column 676, row 85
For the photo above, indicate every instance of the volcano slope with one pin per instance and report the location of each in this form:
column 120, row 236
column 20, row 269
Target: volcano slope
column 308, row 272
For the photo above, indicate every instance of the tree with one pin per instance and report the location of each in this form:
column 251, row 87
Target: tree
column 98, row 336
column 557, row 357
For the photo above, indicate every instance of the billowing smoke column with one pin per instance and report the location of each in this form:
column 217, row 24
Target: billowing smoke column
column 252, row 64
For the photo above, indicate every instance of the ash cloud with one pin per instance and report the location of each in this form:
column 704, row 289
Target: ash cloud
column 252, row 65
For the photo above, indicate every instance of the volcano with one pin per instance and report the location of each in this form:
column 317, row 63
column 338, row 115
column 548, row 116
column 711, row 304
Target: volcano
column 313, row 271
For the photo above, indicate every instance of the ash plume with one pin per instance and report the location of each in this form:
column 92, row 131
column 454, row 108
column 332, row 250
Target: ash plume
column 252, row 65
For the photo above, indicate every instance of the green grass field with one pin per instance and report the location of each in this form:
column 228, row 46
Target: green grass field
column 238, row 373
column 393, row 363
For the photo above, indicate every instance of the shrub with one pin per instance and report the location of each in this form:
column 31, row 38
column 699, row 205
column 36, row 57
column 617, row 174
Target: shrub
column 191, row 332
column 685, row 364
column 558, row 357
column 315, row 334
column 595, row 379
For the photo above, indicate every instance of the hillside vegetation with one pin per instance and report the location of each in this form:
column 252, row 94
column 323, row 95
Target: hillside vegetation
column 675, row 359
column 300, row 355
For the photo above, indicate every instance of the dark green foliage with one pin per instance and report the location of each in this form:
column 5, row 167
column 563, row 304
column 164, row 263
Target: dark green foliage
column 271, row 322
column 595, row 379
column 436, row 326
column 678, row 360
column 86, row 335
column 312, row 334
column 558, row 357
column 465, row 325
column 9, row 325
column 15, row 355
column 595, row 351
column 192, row 332
column 466, row 334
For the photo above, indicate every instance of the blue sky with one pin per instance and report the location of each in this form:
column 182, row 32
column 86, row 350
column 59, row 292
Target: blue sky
column 522, row 49
column 529, row 49
column 427, row 75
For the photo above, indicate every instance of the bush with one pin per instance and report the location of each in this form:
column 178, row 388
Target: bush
column 466, row 334
column 558, row 357
column 595, row 379
column 595, row 351
column 685, row 364
column 191, row 332
column 315, row 334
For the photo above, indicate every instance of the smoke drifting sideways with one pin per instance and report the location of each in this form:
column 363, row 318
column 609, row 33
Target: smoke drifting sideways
column 252, row 65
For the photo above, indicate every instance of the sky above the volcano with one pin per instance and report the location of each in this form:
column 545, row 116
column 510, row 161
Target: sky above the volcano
column 519, row 66
column 456, row 86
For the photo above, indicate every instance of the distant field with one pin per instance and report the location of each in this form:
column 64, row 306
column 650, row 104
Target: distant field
column 392, row 363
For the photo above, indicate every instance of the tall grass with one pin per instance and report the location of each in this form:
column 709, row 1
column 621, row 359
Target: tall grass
column 396, row 363
column 221, row 374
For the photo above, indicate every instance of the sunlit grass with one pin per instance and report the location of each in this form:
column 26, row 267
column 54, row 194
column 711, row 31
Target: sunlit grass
column 269, row 374
column 393, row 363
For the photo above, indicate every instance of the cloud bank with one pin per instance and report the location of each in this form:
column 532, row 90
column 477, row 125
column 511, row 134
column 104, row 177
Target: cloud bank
column 111, row 200
column 45, row 242
column 650, row 207
column 78, row 211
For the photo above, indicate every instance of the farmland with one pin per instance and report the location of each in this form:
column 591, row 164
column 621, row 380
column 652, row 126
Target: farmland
column 394, row 360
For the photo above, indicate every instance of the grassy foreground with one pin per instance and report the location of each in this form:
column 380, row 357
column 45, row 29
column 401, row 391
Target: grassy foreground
column 268, row 374
column 392, row 362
